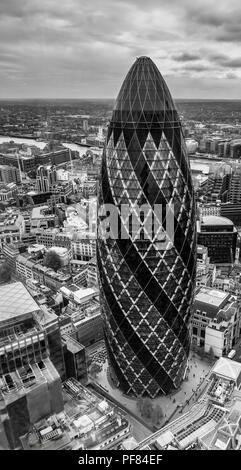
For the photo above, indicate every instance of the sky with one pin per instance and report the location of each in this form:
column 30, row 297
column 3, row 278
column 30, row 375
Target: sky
column 84, row 48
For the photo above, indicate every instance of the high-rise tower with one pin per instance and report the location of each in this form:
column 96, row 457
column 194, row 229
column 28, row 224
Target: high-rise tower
column 145, row 290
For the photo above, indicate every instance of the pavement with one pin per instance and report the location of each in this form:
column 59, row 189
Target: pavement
column 172, row 404
column 237, row 348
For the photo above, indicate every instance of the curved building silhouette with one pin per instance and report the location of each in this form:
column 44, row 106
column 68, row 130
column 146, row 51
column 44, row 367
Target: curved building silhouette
column 146, row 290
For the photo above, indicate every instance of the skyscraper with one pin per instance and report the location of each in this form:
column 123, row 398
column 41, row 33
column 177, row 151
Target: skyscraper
column 145, row 290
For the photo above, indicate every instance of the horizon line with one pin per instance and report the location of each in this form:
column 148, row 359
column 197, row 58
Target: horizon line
column 111, row 99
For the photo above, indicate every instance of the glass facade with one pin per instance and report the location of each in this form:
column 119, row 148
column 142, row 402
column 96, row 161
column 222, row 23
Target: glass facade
column 221, row 242
column 146, row 292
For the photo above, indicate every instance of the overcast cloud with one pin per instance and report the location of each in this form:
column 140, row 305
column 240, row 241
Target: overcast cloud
column 84, row 48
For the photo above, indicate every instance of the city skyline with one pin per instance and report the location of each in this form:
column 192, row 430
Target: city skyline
column 72, row 51
column 120, row 228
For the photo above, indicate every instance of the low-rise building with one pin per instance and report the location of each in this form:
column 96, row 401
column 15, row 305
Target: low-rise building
column 53, row 237
column 83, row 248
column 11, row 227
column 42, row 217
column 86, row 423
column 8, row 191
column 216, row 321
column 28, row 268
column 79, row 297
column 206, row 272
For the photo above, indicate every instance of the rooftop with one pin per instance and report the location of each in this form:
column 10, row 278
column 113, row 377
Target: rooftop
column 227, row 368
column 153, row 95
column 216, row 220
column 15, row 301
column 79, row 294
column 211, row 296
column 85, row 423
column 41, row 212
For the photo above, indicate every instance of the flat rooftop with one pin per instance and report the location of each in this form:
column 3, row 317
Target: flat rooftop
column 79, row 293
column 211, row 296
column 15, row 301
column 226, row 367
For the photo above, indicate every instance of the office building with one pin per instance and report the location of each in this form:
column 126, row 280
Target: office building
column 209, row 208
column 145, row 290
column 216, row 321
column 27, row 395
column 219, row 235
column 28, row 333
column 9, row 174
column 75, row 359
column 232, row 211
column 217, row 187
column 12, row 227
column 46, row 177
column 83, row 248
column 22, row 338
column 235, row 149
column 8, row 191
column 87, row 422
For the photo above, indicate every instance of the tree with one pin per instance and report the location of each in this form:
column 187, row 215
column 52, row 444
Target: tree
column 201, row 353
column 147, row 408
column 5, row 273
column 211, row 354
column 157, row 414
column 88, row 362
column 52, row 260
column 139, row 403
column 95, row 369
column 60, row 214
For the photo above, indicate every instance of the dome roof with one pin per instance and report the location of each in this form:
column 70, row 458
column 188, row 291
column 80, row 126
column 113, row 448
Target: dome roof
column 144, row 89
column 216, row 220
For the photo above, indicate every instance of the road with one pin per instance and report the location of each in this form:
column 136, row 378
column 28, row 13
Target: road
column 139, row 431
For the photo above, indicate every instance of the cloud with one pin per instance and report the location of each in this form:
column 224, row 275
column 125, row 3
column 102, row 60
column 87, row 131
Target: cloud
column 225, row 60
column 186, row 57
column 199, row 68
column 231, row 76
column 83, row 48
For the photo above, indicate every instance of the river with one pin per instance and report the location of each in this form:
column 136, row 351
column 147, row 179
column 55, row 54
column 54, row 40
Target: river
column 195, row 162
column 18, row 140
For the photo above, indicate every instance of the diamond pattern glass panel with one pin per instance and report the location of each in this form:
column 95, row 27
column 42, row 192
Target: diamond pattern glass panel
column 145, row 298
